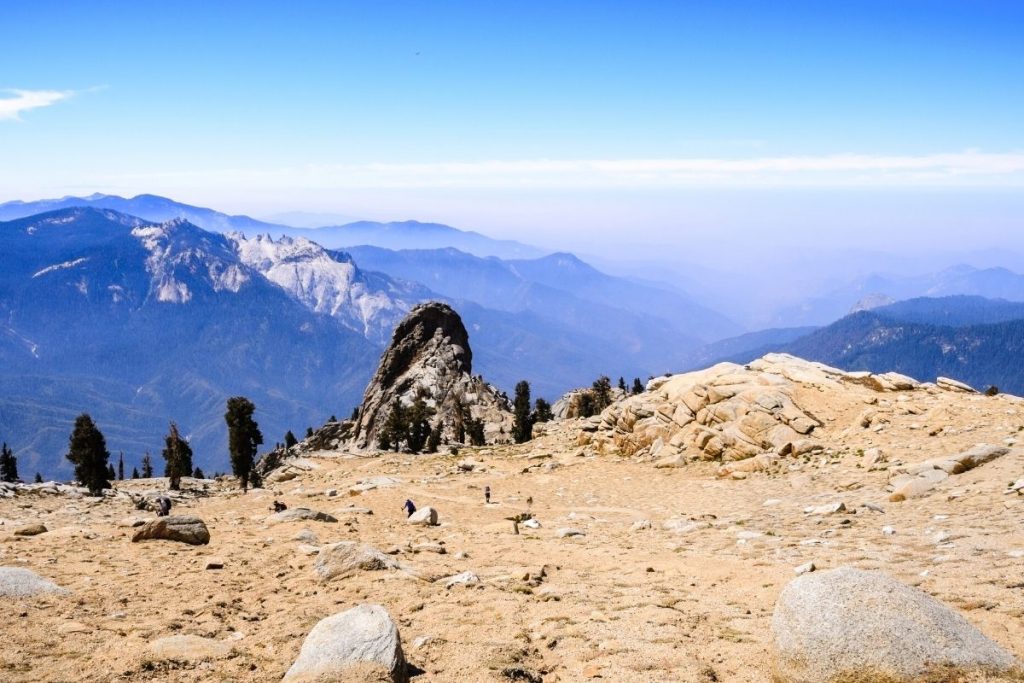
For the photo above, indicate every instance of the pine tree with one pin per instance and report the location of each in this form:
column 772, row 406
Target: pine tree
column 522, row 425
column 135, row 473
column 475, row 431
column 637, row 387
column 541, row 411
column 289, row 439
column 8, row 465
column 111, row 474
column 602, row 390
column 197, row 473
column 460, row 416
column 38, row 479
column 87, row 451
column 243, row 437
column 419, row 415
column 177, row 457
column 120, row 466
column 396, row 428
column 309, row 432
column 622, row 385
column 434, row 440
column 147, row 466
column 355, row 414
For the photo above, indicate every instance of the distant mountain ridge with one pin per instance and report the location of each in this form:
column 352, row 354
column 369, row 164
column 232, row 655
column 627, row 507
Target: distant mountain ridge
column 391, row 235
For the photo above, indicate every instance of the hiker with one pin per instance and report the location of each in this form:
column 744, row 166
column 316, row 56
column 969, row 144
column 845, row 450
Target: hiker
column 164, row 506
column 409, row 507
column 279, row 506
column 487, row 495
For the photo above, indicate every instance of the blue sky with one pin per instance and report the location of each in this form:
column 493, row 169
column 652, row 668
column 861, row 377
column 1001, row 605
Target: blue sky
column 536, row 118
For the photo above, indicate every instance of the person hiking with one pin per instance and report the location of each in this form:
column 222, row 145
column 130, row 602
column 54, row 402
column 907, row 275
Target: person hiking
column 409, row 507
column 163, row 506
column 487, row 495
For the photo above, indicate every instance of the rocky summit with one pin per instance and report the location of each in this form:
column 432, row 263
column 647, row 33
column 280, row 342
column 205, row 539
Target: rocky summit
column 428, row 359
column 796, row 523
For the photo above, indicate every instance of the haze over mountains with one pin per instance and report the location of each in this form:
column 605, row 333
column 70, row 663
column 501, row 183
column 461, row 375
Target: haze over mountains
column 145, row 310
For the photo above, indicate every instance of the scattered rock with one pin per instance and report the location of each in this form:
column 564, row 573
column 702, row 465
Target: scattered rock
column 17, row 582
column 345, row 558
column 466, row 578
column 214, row 563
column 182, row 529
column 640, row 525
column 300, row 514
column 566, row 532
column 188, row 649
column 425, row 516
column 363, row 639
column 829, row 509
column 847, row 625
column 30, row 530
column 805, row 568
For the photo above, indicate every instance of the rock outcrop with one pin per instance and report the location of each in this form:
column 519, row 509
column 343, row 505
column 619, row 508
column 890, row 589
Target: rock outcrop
column 851, row 625
column 359, row 644
column 430, row 358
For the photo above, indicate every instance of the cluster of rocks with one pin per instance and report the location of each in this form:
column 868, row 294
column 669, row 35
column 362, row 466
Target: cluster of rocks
column 727, row 412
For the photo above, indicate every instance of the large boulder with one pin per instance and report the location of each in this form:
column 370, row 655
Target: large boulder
column 359, row 644
column 347, row 557
column 180, row 528
column 17, row 582
column 852, row 625
column 429, row 357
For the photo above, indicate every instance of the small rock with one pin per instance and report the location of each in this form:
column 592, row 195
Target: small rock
column 829, row 509
column 466, row 578
column 214, row 563
column 188, row 649
column 805, row 568
column 888, row 531
column 566, row 532
column 531, row 524
column 640, row 525
column 30, row 530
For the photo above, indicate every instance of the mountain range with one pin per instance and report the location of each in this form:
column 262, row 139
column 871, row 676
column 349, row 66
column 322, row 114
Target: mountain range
column 391, row 235
column 140, row 323
column 969, row 338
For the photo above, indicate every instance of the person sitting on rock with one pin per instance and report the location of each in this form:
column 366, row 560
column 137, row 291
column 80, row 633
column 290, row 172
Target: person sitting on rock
column 409, row 507
column 163, row 506
column 279, row 506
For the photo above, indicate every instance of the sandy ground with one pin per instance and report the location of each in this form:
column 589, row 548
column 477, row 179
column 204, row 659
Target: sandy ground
column 689, row 599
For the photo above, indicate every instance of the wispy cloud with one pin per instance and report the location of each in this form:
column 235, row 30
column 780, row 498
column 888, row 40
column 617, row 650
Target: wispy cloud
column 13, row 102
column 966, row 168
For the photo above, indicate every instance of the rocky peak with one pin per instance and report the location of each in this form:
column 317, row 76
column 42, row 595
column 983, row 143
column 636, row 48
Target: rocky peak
column 429, row 357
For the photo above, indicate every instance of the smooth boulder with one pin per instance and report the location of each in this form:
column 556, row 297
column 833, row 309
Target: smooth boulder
column 191, row 530
column 852, row 625
column 426, row 516
column 363, row 639
column 17, row 582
